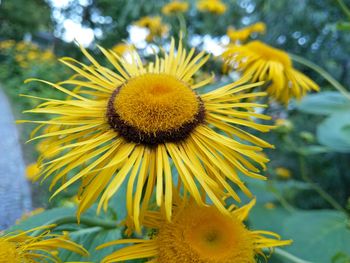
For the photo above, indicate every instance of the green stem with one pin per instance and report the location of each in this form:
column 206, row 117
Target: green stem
column 317, row 188
column 182, row 24
column 291, row 258
column 88, row 221
column 343, row 7
column 323, row 73
column 280, row 197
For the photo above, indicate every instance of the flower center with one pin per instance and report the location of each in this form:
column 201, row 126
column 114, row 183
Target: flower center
column 154, row 108
column 8, row 252
column 204, row 235
column 269, row 53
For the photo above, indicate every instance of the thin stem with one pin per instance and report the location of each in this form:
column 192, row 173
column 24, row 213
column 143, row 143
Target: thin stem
column 323, row 73
column 343, row 7
column 182, row 24
column 327, row 197
column 280, row 197
column 291, row 258
column 88, row 221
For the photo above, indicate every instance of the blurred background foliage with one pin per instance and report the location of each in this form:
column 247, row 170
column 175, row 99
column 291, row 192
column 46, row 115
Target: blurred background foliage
column 307, row 196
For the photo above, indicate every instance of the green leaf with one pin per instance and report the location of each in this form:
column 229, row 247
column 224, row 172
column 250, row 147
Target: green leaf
column 90, row 238
column 341, row 258
column 317, row 235
column 313, row 149
column 324, row 103
column 262, row 218
column 343, row 25
column 334, row 132
column 43, row 218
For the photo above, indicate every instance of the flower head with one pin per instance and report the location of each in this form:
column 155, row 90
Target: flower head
column 198, row 235
column 212, row 6
column 21, row 247
column 32, row 171
column 154, row 25
column 175, row 7
column 283, row 173
column 270, row 64
column 244, row 33
column 131, row 125
column 121, row 49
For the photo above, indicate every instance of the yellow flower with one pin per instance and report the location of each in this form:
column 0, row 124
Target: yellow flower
column 47, row 55
column 244, row 33
column 154, row 25
column 238, row 35
column 49, row 147
column 270, row 205
column 26, row 46
column 284, row 125
column 19, row 58
column 175, row 7
column 32, row 172
column 266, row 63
column 258, row 27
column 134, row 123
column 283, row 173
column 212, row 6
column 31, row 55
column 198, row 234
column 6, row 44
column 21, row 247
column 121, row 49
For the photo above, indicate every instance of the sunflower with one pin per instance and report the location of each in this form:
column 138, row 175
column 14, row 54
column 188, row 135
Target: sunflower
column 155, row 26
column 212, row 6
column 266, row 63
column 244, row 33
column 199, row 235
column 21, row 247
column 175, row 7
column 137, row 125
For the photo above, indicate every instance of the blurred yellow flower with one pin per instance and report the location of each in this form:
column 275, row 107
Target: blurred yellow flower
column 258, row 27
column 23, row 45
column 284, row 125
column 198, row 234
column 175, row 7
column 7, row 44
column 32, row 172
column 269, row 205
column 244, row 33
column 47, row 55
column 22, row 247
column 154, row 25
column 28, row 54
column 238, row 35
column 212, row 6
column 31, row 55
column 265, row 63
column 121, row 49
column 283, row 173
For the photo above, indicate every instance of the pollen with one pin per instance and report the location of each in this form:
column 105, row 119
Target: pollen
column 154, row 108
column 204, row 235
column 269, row 53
